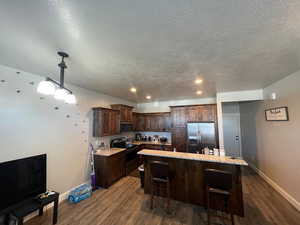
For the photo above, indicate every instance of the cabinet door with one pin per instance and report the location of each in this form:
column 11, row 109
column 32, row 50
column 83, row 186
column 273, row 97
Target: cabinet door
column 167, row 122
column 134, row 121
column 154, row 122
column 106, row 126
column 140, row 122
column 179, row 139
column 178, row 117
column 147, row 123
column 97, row 123
column 129, row 115
column 114, row 122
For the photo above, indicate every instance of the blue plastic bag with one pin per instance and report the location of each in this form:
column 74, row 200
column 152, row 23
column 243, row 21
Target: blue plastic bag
column 80, row 193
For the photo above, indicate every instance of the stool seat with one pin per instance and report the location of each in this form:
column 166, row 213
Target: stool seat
column 218, row 191
column 160, row 180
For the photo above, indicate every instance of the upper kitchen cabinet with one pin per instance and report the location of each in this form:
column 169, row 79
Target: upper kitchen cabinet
column 152, row 121
column 126, row 112
column 201, row 113
column 106, row 122
column 178, row 116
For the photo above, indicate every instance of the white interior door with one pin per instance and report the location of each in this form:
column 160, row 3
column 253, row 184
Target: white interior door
column 232, row 134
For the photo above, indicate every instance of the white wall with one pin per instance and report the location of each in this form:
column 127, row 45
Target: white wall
column 273, row 147
column 31, row 126
column 163, row 106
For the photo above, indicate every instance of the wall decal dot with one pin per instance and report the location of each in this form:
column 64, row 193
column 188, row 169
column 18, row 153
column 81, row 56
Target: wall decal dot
column 68, row 116
column 56, row 108
column 85, row 140
column 2, row 81
column 42, row 98
column 83, row 132
column 31, row 83
column 18, row 91
column 83, row 121
column 18, row 72
column 75, row 124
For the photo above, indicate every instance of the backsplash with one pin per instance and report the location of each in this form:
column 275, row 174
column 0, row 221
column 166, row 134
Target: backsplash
column 96, row 141
column 161, row 134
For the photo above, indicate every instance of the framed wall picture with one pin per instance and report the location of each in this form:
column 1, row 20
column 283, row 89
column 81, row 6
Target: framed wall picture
column 277, row 114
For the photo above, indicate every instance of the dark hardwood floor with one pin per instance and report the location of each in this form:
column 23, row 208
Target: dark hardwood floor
column 124, row 203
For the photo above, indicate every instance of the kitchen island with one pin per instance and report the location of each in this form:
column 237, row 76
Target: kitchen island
column 187, row 182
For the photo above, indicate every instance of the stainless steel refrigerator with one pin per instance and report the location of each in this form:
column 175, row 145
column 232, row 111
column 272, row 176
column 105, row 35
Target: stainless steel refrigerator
column 201, row 135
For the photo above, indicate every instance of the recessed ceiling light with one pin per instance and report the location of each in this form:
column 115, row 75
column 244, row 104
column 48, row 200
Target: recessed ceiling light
column 199, row 92
column 198, row 81
column 133, row 90
column 148, row 97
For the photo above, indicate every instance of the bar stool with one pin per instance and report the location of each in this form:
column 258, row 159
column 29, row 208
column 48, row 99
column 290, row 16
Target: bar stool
column 160, row 178
column 218, row 183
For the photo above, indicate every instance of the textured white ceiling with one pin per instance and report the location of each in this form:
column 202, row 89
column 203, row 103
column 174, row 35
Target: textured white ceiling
column 158, row 46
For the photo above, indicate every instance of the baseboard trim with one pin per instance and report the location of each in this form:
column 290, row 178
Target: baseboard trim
column 279, row 189
column 62, row 197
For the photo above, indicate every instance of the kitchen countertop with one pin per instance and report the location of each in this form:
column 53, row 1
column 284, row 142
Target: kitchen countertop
column 150, row 143
column 109, row 152
column 192, row 156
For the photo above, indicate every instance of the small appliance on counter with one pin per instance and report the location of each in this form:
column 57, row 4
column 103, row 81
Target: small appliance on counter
column 156, row 138
column 163, row 139
column 138, row 136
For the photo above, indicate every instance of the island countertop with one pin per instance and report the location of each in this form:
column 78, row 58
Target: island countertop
column 193, row 156
column 109, row 152
column 151, row 143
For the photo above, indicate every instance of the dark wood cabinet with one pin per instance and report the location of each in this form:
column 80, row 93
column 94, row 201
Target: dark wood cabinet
column 126, row 112
column 178, row 116
column 179, row 139
column 152, row 122
column 109, row 169
column 106, row 122
column 181, row 115
column 140, row 122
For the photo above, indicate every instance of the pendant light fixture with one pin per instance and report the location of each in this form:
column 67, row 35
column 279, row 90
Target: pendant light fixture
column 57, row 89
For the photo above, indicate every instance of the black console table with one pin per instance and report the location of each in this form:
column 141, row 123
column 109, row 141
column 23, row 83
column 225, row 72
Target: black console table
column 36, row 204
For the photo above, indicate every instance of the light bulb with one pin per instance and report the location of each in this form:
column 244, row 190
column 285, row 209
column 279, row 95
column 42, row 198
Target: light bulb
column 61, row 94
column 46, row 88
column 70, row 99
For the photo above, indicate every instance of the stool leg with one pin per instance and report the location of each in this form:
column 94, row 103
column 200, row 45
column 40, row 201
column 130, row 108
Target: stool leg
column 152, row 194
column 168, row 197
column 20, row 221
column 232, row 219
column 208, row 210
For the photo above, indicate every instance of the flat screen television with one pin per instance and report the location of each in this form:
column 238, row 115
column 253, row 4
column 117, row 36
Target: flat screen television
column 21, row 180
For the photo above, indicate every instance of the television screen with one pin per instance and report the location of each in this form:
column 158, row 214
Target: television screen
column 22, row 179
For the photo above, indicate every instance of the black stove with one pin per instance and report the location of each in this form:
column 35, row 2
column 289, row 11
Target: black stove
column 131, row 158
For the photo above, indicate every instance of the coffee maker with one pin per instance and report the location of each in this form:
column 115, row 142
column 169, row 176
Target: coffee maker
column 138, row 136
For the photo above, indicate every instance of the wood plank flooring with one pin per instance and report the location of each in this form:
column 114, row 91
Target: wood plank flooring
column 124, row 203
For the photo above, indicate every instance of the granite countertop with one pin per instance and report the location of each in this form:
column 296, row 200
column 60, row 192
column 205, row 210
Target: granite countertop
column 150, row 143
column 192, row 156
column 109, row 152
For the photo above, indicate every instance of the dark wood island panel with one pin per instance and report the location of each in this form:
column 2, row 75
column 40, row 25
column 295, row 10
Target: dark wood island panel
column 188, row 184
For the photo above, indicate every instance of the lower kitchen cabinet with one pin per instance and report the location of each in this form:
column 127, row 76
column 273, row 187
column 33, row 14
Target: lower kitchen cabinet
column 156, row 147
column 109, row 169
